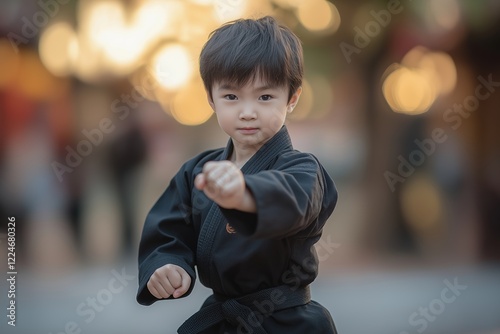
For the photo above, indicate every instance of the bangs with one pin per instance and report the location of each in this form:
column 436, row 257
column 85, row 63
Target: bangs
column 241, row 64
column 237, row 79
column 239, row 52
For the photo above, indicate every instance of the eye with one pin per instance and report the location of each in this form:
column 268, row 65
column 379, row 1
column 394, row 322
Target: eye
column 266, row 97
column 230, row 97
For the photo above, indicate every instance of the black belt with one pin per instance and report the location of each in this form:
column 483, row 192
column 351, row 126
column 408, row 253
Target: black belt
column 244, row 308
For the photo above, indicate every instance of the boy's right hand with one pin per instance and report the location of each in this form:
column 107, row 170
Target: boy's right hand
column 169, row 280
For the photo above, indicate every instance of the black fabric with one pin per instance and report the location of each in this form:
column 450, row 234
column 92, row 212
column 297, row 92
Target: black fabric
column 249, row 310
column 272, row 247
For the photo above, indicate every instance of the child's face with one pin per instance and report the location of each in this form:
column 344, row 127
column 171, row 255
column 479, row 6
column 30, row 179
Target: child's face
column 251, row 114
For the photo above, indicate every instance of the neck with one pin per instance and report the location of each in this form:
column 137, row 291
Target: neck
column 241, row 154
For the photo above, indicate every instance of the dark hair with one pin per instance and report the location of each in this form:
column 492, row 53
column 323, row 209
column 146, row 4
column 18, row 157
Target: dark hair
column 239, row 50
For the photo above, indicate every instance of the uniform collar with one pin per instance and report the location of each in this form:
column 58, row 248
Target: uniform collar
column 279, row 143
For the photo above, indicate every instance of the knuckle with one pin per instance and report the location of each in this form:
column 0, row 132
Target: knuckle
column 208, row 165
column 225, row 192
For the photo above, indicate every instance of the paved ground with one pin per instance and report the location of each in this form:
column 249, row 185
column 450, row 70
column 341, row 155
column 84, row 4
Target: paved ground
column 94, row 301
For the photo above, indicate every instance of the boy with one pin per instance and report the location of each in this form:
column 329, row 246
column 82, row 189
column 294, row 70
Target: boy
column 246, row 215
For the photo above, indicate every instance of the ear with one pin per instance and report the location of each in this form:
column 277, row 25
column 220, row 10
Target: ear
column 210, row 101
column 294, row 99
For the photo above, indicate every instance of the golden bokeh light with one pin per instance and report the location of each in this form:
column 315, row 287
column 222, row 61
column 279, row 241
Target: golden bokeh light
column 195, row 35
column 391, row 78
column 408, row 91
column 58, row 48
column 442, row 67
column 413, row 57
column 422, row 205
column 98, row 22
column 123, row 50
column 157, row 42
column 438, row 66
column 157, row 19
column 87, row 66
column 316, row 15
column 119, row 37
column 423, row 75
column 101, row 19
column 336, row 20
column 413, row 92
column 172, row 66
column 190, row 106
column 9, row 62
column 120, row 43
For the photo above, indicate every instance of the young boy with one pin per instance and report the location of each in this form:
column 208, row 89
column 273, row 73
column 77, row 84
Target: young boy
column 247, row 215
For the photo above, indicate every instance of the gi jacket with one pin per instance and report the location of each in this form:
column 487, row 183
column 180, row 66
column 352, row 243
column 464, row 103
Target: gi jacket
column 238, row 253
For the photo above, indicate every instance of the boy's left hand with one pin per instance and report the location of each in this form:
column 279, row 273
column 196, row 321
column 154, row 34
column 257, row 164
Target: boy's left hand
column 223, row 183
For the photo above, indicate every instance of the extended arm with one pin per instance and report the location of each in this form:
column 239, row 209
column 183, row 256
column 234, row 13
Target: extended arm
column 294, row 194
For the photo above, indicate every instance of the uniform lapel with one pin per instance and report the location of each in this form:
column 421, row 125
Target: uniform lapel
column 215, row 221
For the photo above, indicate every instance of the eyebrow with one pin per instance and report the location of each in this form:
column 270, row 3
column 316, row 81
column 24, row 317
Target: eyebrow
column 228, row 86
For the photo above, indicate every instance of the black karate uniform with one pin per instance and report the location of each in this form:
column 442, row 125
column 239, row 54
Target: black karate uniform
column 264, row 259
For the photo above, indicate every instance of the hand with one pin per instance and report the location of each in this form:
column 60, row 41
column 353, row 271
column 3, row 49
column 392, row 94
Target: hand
column 224, row 184
column 169, row 280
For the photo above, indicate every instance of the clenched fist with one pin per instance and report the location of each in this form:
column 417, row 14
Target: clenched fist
column 224, row 184
column 169, row 280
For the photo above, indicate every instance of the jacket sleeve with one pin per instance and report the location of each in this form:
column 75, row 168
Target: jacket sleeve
column 294, row 194
column 168, row 236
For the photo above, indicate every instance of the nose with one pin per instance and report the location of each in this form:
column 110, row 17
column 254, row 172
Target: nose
column 248, row 112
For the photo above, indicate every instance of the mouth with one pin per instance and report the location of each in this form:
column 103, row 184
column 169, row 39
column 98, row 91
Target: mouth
column 248, row 130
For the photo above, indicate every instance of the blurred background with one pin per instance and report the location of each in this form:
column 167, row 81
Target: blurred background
column 101, row 102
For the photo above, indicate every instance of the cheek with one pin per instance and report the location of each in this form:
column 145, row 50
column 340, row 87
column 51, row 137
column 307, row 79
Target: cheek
column 274, row 121
column 277, row 117
column 224, row 118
